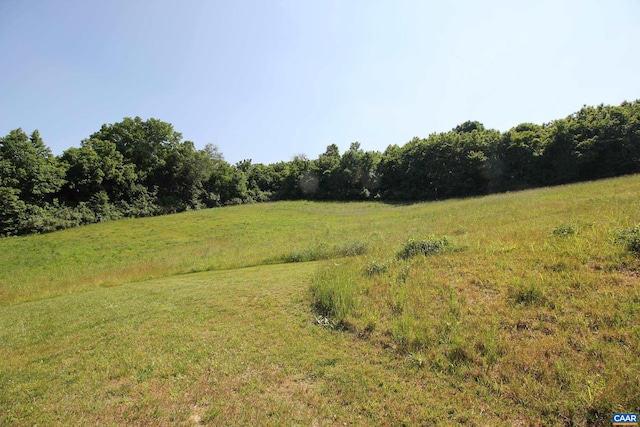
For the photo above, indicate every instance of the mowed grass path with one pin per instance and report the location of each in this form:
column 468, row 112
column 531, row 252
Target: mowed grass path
column 201, row 319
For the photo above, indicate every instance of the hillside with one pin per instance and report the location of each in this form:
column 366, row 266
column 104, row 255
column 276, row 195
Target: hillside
column 529, row 315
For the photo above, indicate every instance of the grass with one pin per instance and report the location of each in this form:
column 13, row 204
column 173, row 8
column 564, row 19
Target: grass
column 539, row 305
column 118, row 252
column 529, row 317
column 218, row 348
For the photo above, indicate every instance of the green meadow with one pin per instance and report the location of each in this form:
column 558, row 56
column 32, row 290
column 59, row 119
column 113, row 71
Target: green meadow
column 511, row 309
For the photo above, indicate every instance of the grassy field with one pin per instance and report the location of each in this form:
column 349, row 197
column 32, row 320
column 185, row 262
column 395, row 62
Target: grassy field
column 304, row 313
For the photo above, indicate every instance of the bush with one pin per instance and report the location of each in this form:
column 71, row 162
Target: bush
column 428, row 247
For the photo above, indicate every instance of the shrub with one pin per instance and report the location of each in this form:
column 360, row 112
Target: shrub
column 427, row 247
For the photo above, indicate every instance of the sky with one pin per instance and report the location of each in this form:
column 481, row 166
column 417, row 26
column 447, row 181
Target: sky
column 270, row 79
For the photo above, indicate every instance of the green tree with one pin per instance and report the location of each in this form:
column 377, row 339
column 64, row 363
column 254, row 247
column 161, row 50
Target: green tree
column 180, row 183
column 300, row 178
column 451, row 164
column 144, row 144
column 560, row 156
column 358, row 172
column 391, row 173
column 607, row 140
column 13, row 213
column 28, row 167
column 169, row 171
column 327, row 170
column 469, row 126
column 97, row 167
column 30, row 177
column 520, row 157
column 225, row 185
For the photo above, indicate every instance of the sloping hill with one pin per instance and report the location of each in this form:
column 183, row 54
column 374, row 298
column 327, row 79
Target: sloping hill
column 530, row 316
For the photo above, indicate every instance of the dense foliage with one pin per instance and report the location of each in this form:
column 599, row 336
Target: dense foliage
column 141, row 168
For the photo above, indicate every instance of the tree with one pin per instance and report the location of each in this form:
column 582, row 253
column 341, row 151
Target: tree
column 226, row 185
column 520, row 154
column 97, row 167
column 213, row 152
column 451, row 164
column 358, row 172
column 327, row 171
column 30, row 177
column 28, row 167
column 174, row 172
column 144, row 144
column 391, row 173
column 560, row 154
column 301, row 180
column 607, row 140
column 180, row 183
column 469, row 126
column 270, row 180
column 13, row 212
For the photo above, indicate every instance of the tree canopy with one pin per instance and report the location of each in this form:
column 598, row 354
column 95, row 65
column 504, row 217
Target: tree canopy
column 142, row 167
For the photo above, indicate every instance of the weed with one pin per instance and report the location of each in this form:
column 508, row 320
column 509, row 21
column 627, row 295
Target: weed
column 458, row 353
column 407, row 334
column 403, row 275
column 353, row 248
column 528, row 294
column 324, row 251
column 563, row 375
column 564, row 230
column 336, row 294
column 210, row 416
column 376, row 267
column 630, row 237
column 427, row 247
column 415, row 359
column 490, row 346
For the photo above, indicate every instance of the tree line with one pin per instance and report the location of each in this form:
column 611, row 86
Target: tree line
column 138, row 168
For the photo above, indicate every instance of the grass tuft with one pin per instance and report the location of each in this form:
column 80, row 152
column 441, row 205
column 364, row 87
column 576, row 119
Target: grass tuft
column 528, row 294
column 336, row 293
column 428, row 247
column 564, row 230
column 324, row 251
column 376, row 267
column 630, row 238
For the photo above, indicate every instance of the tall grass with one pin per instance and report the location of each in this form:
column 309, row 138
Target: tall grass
column 539, row 308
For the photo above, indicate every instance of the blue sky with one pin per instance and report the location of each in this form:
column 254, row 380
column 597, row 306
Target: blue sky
column 268, row 79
